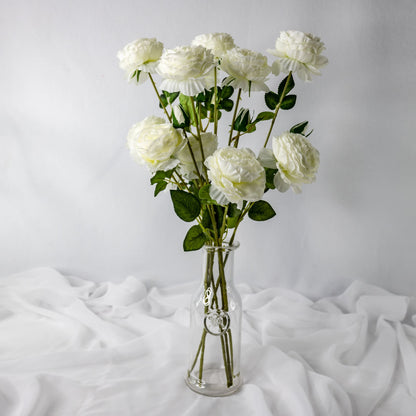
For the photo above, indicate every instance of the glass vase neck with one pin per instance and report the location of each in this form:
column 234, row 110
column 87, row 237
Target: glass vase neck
column 224, row 247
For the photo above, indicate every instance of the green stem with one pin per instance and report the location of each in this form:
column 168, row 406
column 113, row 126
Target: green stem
column 201, row 361
column 232, row 350
column 223, row 282
column 237, row 101
column 230, row 243
column 228, row 369
column 193, row 159
column 179, row 180
column 196, row 117
column 271, row 125
column 282, row 96
column 215, row 102
column 226, row 358
column 160, row 99
column 237, row 139
column 198, row 130
column 224, row 222
column 214, row 223
column 204, row 334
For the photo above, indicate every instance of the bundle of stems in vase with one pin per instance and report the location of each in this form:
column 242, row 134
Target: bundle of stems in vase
column 217, row 183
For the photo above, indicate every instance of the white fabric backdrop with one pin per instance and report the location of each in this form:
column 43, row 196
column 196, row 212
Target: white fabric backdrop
column 71, row 347
column 72, row 198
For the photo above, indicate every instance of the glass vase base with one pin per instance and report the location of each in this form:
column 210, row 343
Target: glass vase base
column 214, row 383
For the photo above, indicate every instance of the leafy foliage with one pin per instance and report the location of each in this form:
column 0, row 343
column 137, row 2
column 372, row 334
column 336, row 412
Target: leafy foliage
column 286, row 85
column 261, row 211
column 272, row 100
column 299, row 128
column 160, row 179
column 270, row 174
column 288, row 102
column 186, row 205
column 191, row 199
column 195, row 239
column 242, row 120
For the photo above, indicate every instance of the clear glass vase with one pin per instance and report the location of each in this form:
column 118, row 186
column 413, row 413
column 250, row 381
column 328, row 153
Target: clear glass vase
column 215, row 326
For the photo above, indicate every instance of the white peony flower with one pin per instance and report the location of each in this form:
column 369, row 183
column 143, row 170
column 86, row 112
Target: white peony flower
column 153, row 142
column 235, row 175
column 295, row 158
column 247, row 69
column 300, row 53
column 186, row 69
column 143, row 55
column 217, row 43
column 186, row 164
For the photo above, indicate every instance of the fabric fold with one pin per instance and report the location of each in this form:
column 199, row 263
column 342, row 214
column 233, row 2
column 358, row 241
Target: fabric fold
column 69, row 347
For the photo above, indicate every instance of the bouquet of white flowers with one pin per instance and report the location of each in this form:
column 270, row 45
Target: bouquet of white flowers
column 218, row 185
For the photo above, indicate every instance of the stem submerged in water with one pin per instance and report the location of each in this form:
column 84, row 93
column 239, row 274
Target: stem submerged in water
column 216, row 331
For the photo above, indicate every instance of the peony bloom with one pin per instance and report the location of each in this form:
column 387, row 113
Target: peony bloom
column 217, row 43
column 235, row 175
column 300, row 53
column 143, row 55
column 186, row 69
column 186, row 164
column 153, row 142
column 247, row 69
column 295, row 158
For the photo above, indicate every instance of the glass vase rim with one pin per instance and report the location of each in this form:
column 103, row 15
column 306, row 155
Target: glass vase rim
column 225, row 246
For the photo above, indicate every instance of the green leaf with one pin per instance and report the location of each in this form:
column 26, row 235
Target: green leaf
column 219, row 114
column 193, row 187
column 136, row 74
column 206, row 219
column 204, row 97
column 270, row 174
column 218, row 212
column 170, row 96
column 227, row 81
column 288, row 102
column 204, row 192
column 164, row 100
column 226, row 92
column 226, row 104
column 263, row 116
column 160, row 186
column 299, row 128
column 200, row 98
column 194, row 239
column 232, row 222
column 204, row 112
column 250, row 128
column 242, row 120
column 204, row 195
column 272, row 99
column 187, row 107
column 187, row 206
column 233, row 211
column 161, row 175
column 219, row 216
column 159, row 178
column 286, row 86
column 261, row 211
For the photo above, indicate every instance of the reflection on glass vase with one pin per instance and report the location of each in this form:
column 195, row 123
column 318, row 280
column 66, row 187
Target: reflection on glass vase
column 215, row 342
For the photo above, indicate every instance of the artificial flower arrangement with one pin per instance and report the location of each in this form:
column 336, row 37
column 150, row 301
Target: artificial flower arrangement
column 218, row 185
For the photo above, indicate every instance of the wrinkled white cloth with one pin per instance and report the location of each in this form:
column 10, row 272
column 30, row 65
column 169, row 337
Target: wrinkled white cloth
column 71, row 347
